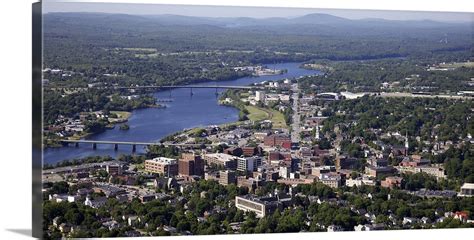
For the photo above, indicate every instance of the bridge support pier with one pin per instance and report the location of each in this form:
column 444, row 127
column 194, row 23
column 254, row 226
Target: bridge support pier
column 191, row 91
column 94, row 146
column 115, row 147
column 76, row 144
column 134, row 148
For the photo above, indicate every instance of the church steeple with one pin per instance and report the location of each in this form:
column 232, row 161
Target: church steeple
column 317, row 136
column 407, row 145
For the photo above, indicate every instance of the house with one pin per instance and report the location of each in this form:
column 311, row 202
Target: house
column 64, row 228
column 467, row 190
column 133, row 233
column 369, row 227
column 58, row 197
column 425, row 220
column 461, row 216
column 111, row 225
column 133, row 220
column 73, row 198
column 392, row 182
column 56, row 221
column 409, row 220
column 170, row 229
column 334, row 228
column 96, row 202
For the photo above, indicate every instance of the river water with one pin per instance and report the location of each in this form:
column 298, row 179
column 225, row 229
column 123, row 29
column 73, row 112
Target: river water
column 185, row 111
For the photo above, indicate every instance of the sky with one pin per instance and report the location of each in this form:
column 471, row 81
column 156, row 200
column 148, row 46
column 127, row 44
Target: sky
column 253, row 12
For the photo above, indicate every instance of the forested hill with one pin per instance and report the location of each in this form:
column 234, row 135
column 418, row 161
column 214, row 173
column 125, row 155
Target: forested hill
column 314, row 36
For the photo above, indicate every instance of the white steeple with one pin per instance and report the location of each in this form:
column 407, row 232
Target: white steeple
column 317, row 132
column 407, row 146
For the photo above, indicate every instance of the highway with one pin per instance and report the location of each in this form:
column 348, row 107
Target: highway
column 405, row 94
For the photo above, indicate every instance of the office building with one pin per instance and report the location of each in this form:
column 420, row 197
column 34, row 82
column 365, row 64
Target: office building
column 190, row 164
column 249, row 164
column 221, row 159
column 227, row 177
column 113, row 169
column 162, row 165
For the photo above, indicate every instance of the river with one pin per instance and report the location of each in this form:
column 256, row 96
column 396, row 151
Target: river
column 185, row 111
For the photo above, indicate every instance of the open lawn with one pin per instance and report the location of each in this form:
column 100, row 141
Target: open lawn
column 122, row 114
column 278, row 119
column 260, row 114
column 256, row 114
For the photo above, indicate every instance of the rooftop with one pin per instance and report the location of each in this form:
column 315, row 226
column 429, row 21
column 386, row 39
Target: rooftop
column 163, row 160
column 468, row 185
column 221, row 157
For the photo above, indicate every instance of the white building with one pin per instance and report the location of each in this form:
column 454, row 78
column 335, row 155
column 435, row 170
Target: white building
column 249, row 164
column 467, row 190
column 359, row 182
column 260, row 96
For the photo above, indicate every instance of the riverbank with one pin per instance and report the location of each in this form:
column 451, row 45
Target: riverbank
column 185, row 111
column 233, row 98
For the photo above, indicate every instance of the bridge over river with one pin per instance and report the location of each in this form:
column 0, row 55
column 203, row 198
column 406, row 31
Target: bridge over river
column 133, row 144
column 190, row 86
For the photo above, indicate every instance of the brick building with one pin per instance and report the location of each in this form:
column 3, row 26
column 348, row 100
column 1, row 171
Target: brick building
column 283, row 141
column 162, row 165
column 190, row 164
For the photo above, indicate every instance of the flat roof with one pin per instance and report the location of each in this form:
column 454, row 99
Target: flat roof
column 468, row 185
column 223, row 157
column 163, row 160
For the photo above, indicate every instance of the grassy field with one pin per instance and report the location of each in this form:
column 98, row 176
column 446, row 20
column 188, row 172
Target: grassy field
column 259, row 114
column 256, row 114
column 122, row 114
column 244, row 95
column 278, row 119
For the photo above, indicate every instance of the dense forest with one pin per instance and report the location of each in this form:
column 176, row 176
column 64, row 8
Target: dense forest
column 94, row 49
column 147, row 48
column 427, row 118
column 405, row 74
column 57, row 103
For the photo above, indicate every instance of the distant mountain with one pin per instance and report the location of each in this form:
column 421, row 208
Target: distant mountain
column 310, row 19
column 319, row 18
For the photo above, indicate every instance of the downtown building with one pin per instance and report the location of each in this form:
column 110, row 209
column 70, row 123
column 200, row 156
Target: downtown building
column 227, row 177
column 283, row 141
column 221, row 159
column 190, row 165
column 262, row 206
column 161, row 165
column 249, row 164
column 331, row 180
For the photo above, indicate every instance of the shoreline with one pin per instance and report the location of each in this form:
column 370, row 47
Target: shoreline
column 247, row 80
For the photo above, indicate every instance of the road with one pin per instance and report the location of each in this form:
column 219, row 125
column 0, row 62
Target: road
column 296, row 123
column 404, row 94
